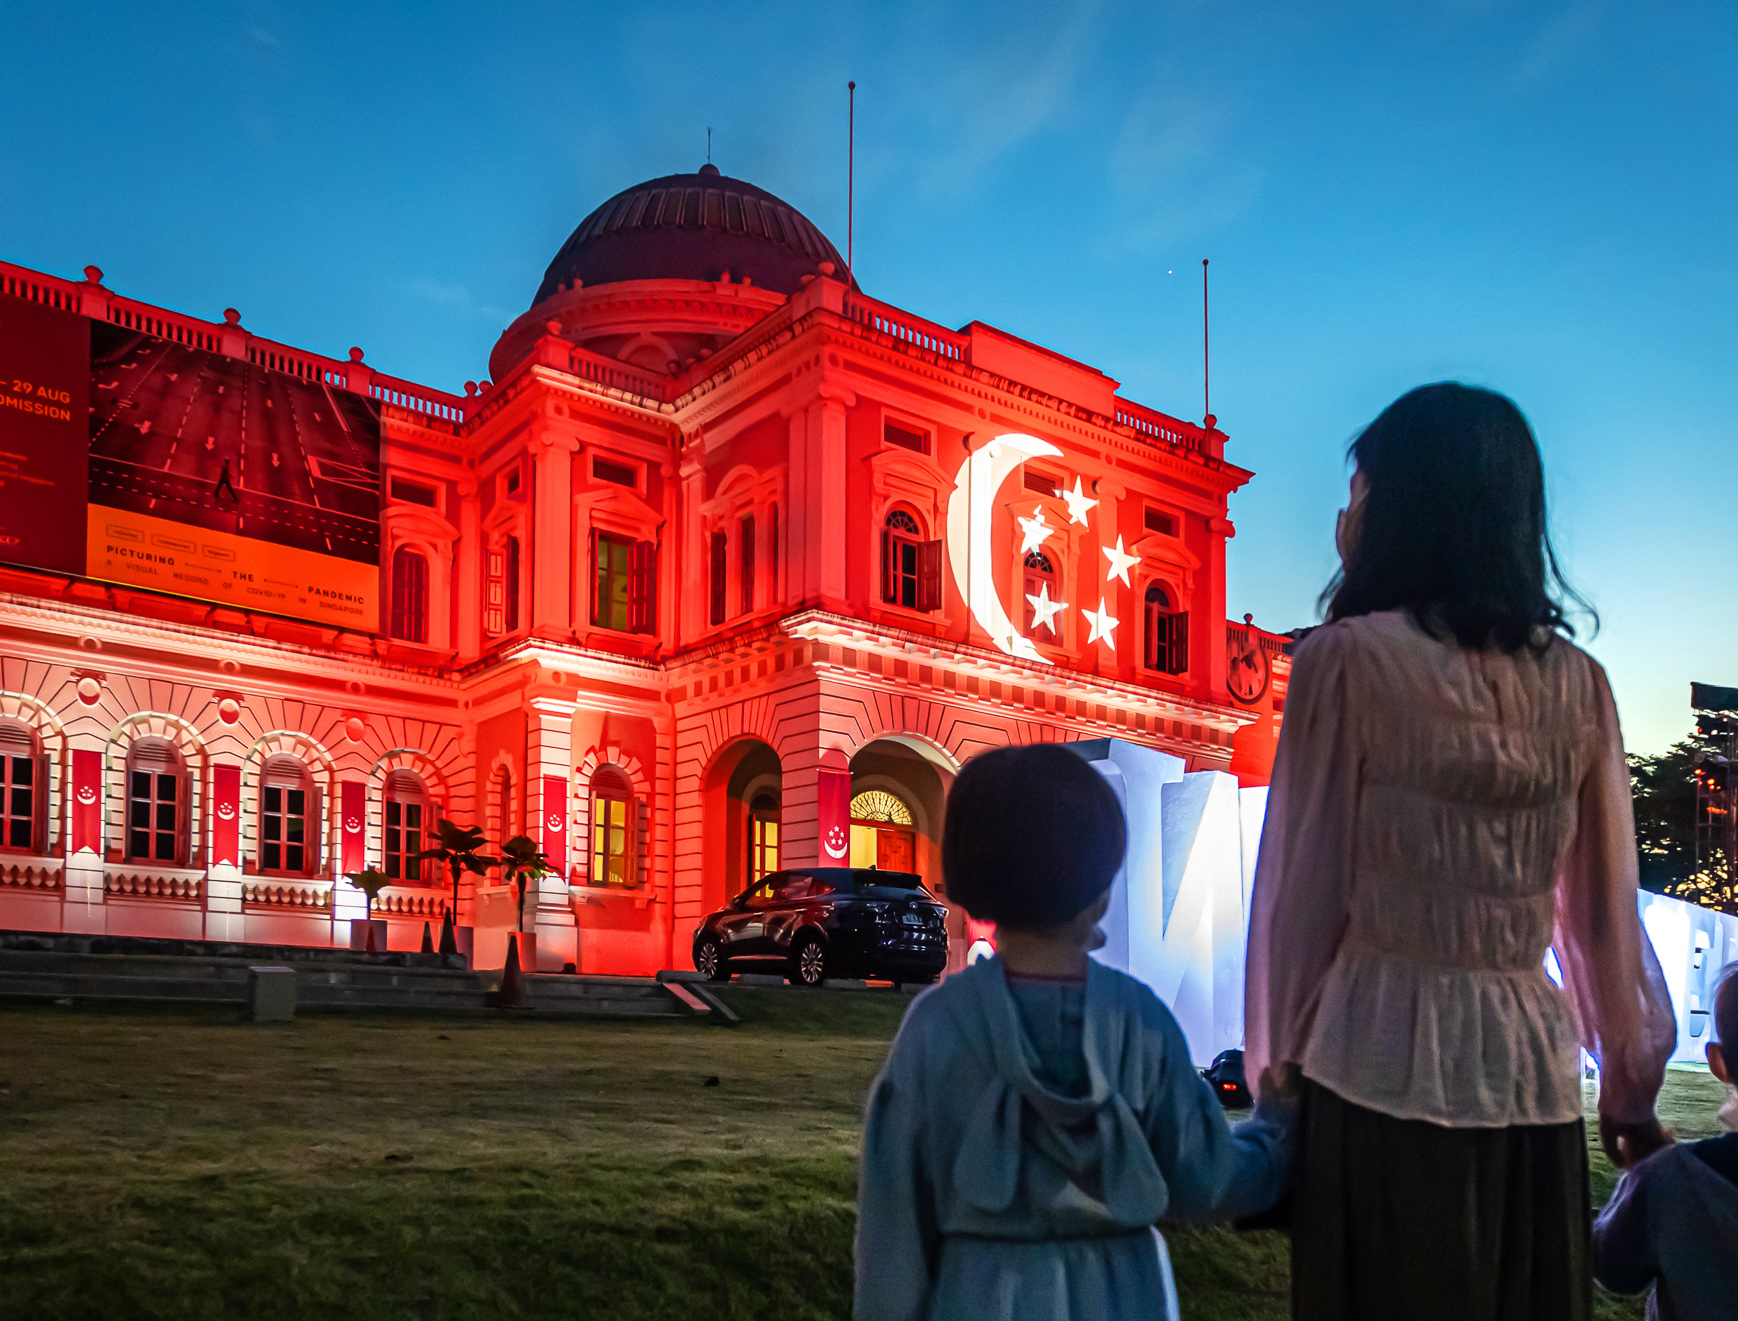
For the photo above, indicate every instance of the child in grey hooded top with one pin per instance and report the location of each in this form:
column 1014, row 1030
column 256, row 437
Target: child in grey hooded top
column 1039, row 1112
column 1672, row 1224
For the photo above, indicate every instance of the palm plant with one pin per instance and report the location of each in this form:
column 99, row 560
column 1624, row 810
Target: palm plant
column 522, row 861
column 456, row 847
column 371, row 883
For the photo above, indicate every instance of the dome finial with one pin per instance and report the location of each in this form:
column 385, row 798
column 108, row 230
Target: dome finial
column 709, row 170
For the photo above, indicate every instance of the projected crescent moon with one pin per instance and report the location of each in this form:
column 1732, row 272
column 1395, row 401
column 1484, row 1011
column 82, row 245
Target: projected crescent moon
column 968, row 534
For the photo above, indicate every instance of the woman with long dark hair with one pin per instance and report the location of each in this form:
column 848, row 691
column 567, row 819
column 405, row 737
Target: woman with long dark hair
column 1449, row 801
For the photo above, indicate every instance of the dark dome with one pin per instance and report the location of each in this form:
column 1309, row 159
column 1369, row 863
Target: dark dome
column 692, row 227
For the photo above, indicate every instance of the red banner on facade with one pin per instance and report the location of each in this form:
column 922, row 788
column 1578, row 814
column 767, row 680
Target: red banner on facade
column 554, row 843
column 226, row 815
column 833, row 816
column 87, row 800
column 352, row 817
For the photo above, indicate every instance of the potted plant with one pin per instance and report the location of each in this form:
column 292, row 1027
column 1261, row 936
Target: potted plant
column 369, row 934
column 456, row 847
column 521, row 862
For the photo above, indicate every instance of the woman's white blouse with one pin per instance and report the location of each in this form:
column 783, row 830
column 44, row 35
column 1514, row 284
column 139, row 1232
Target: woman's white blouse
column 1438, row 818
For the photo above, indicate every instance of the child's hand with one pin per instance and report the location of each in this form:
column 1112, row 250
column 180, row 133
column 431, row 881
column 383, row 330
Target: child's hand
column 1626, row 1144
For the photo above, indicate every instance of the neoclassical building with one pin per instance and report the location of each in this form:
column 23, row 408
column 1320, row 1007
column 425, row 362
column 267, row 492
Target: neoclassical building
column 727, row 567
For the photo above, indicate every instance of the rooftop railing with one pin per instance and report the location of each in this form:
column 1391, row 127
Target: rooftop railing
column 1162, row 427
column 908, row 329
column 613, row 374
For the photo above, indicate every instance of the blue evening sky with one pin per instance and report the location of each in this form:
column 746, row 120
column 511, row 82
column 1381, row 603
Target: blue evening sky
column 1538, row 197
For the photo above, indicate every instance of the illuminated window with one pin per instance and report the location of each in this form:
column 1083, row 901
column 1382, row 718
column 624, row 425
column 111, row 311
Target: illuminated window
column 910, row 566
column 1167, row 635
column 289, row 827
column 1039, row 576
column 404, row 820
column 879, row 805
column 156, row 802
column 622, row 594
column 612, row 835
column 763, row 824
column 409, row 595
column 23, row 789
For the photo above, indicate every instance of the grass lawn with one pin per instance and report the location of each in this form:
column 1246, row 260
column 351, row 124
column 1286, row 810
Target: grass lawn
column 179, row 1163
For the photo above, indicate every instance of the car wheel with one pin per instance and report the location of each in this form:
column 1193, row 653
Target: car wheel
column 808, row 962
column 709, row 959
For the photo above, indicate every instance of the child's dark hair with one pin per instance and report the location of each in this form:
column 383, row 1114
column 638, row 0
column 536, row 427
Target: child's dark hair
column 1726, row 1013
column 1034, row 835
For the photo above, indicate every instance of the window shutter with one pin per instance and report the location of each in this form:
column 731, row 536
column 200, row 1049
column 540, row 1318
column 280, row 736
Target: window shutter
column 1153, row 652
column 39, row 828
column 887, row 588
column 929, row 575
column 642, row 584
column 772, row 553
column 512, row 584
column 597, row 578
column 316, row 834
column 1178, row 660
column 746, row 537
column 495, row 596
column 720, row 547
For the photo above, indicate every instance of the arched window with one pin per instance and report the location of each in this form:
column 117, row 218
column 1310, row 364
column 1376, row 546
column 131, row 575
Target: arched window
column 763, row 824
column 612, row 833
column 289, row 818
column 23, row 789
column 157, row 794
column 910, row 566
column 405, row 820
column 1040, row 581
column 1167, row 637
column 409, row 595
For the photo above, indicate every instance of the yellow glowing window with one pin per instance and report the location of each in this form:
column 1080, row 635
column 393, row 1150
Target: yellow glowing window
column 611, row 830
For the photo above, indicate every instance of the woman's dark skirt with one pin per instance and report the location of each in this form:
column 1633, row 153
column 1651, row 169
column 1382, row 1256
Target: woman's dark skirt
column 1397, row 1218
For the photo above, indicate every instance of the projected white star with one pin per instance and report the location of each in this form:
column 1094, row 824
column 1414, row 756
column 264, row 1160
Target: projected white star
column 1078, row 503
column 1034, row 532
column 1044, row 610
column 1120, row 562
column 1099, row 626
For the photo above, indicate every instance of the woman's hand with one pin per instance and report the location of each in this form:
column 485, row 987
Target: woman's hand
column 1279, row 1082
column 1626, row 1144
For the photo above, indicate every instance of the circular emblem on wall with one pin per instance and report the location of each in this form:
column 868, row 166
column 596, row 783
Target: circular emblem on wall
column 89, row 690
column 229, row 710
column 354, row 729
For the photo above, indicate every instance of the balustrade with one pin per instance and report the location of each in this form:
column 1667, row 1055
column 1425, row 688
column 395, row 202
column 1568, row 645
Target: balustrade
column 908, row 329
column 31, row 873
column 1151, row 424
column 287, row 894
column 153, row 885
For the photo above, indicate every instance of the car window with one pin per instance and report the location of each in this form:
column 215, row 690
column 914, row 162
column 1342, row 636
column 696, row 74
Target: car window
column 799, row 885
column 761, row 895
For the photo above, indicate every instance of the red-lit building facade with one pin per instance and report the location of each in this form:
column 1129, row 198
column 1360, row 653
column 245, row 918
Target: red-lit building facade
column 727, row 567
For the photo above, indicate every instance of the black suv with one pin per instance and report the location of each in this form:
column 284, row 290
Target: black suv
column 819, row 922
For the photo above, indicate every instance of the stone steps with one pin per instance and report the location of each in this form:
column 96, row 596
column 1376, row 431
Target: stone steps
column 323, row 984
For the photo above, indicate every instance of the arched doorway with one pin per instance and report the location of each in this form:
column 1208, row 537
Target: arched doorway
column 742, row 833
column 882, row 831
